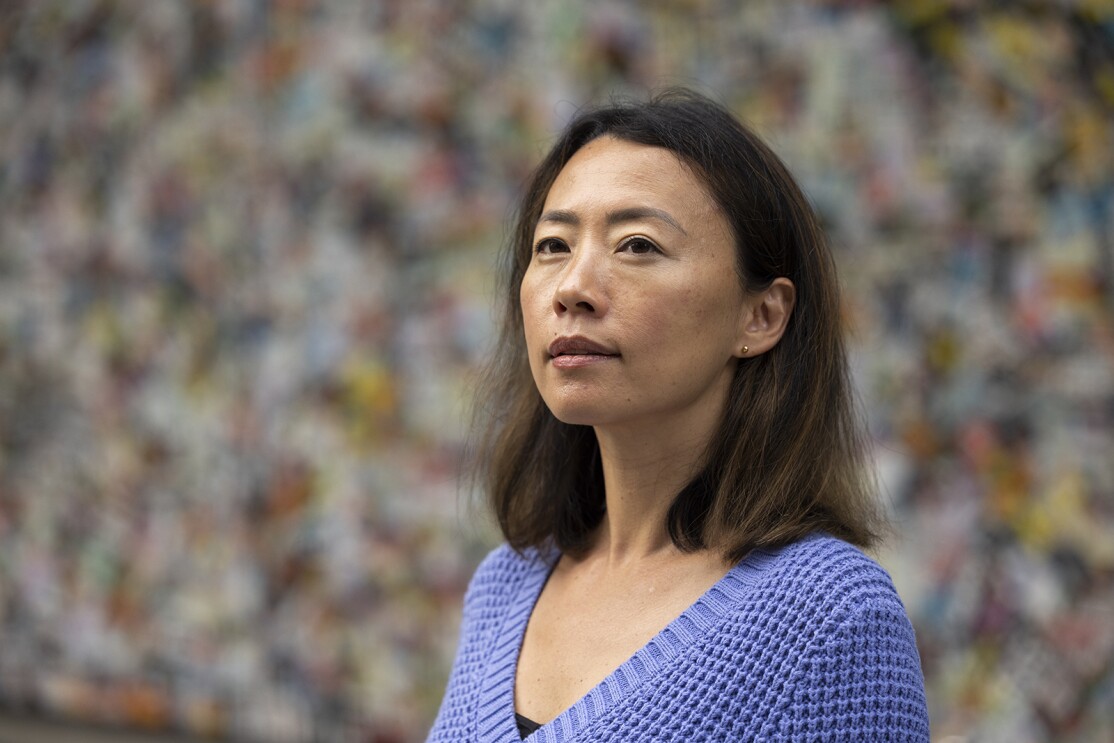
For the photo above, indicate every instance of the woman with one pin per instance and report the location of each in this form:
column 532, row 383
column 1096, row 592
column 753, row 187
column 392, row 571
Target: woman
column 674, row 461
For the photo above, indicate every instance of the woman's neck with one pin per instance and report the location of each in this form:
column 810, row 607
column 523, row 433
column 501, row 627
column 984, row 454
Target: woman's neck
column 642, row 472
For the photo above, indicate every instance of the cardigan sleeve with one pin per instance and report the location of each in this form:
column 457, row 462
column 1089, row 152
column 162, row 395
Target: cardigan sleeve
column 861, row 679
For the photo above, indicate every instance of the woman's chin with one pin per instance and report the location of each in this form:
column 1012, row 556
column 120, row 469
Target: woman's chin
column 575, row 417
column 584, row 414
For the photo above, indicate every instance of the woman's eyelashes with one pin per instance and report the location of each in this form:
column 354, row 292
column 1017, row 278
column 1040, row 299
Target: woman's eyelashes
column 550, row 245
column 636, row 245
column 639, row 246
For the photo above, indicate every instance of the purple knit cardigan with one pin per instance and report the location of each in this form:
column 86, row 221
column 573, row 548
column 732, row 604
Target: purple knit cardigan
column 806, row 643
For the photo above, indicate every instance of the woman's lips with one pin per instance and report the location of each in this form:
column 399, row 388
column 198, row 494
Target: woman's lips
column 571, row 352
column 577, row 360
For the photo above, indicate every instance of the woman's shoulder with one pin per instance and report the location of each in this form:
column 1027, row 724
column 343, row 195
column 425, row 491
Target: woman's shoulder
column 504, row 569
column 823, row 600
column 830, row 615
column 504, row 560
column 826, row 570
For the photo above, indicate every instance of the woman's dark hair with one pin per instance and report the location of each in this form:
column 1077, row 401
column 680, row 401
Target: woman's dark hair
column 788, row 456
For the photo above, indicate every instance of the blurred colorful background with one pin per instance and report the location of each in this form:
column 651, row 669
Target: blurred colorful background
column 246, row 262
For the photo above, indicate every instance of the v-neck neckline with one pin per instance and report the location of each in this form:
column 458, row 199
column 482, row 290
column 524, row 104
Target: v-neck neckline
column 646, row 662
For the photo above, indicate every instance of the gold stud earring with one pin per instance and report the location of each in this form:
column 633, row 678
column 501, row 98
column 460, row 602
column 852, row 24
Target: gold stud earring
column 745, row 349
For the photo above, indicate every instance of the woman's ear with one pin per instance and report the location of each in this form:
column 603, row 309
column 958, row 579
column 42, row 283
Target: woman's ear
column 765, row 317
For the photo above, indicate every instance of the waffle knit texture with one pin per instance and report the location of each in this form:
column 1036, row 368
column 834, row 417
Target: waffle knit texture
column 806, row 643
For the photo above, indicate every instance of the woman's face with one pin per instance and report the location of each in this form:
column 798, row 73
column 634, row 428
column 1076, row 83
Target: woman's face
column 633, row 308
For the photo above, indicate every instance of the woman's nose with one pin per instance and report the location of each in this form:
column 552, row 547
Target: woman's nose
column 581, row 288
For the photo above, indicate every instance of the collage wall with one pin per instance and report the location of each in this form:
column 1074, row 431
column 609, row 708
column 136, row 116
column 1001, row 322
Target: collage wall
column 246, row 264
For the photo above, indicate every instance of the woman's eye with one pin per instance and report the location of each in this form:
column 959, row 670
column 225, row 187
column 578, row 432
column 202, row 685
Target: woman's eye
column 550, row 245
column 639, row 246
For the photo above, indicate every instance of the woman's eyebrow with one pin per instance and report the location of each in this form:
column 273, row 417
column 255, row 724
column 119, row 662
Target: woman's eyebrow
column 628, row 214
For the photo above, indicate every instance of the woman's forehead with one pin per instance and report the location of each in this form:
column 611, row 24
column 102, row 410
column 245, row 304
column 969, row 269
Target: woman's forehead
column 612, row 174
